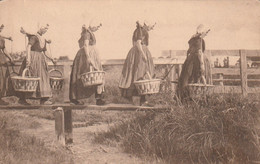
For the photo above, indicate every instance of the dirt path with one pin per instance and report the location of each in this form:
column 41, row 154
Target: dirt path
column 88, row 152
column 83, row 150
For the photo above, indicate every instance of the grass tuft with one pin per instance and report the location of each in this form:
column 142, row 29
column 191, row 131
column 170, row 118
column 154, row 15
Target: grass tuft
column 17, row 147
column 223, row 128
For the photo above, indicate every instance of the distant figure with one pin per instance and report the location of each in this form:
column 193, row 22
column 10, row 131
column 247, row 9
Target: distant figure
column 196, row 68
column 6, row 88
column 216, row 63
column 226, row 62
column 36, row 62
column 249, row 63
column 238, row 63
column 138, row 62
column 86, row 60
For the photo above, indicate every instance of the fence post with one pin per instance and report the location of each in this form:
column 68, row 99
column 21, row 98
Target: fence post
column 59, row 125
column 243, row 72
column 221, row 77
column 63, row 125
column 66, row 72
column 179, row 70
column 68, row 125
column 210, row 61
column 173, row 76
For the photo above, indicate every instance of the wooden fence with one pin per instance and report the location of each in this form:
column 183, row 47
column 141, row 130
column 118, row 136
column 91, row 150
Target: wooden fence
column 239, row 74
column 221, row 76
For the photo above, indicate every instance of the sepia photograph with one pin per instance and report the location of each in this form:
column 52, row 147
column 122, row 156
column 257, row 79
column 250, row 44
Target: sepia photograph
column 129, row 81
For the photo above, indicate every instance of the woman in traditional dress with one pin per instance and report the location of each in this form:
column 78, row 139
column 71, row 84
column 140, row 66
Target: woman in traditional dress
column 36, row 62
column 86, row 60
column 6, row 88
column 138, row 62
column 196, row 68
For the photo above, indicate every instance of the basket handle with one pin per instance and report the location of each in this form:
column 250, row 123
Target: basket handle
column 91, row 68
column 52, row 70
column 13, row 74
column 26, row 70
column 148, row 74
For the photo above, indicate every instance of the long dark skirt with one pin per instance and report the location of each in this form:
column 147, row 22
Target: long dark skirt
column 135, row 69
column 6, row 87
column 80, row 66
column 191, row 73
column 39, row 68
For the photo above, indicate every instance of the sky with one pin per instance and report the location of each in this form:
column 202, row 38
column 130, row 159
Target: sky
column 234, row 24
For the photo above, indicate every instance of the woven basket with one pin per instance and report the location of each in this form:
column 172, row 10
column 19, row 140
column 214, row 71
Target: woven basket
column 56, row 82
column 150, row 86
column 92, row 78
column 198, row 90
column 25, row 83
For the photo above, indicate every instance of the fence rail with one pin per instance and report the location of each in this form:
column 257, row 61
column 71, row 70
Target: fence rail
column 242, row 71
column 235, row 71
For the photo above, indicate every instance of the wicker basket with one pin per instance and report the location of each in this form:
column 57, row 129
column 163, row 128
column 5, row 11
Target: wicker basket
column 92, row 78
column 25, row 83
column 56, row 82
column 150, row 86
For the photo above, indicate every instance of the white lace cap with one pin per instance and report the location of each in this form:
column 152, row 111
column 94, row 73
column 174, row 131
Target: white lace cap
column 200, row 29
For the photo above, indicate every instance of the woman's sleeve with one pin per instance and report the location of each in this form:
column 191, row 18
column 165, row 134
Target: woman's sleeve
column 2, row 43
column 86, row 36
column 32, row 40
column 138, row 35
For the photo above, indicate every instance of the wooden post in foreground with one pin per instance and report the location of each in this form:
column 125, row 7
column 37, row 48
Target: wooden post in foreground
column 243, row 72
column 63, row 125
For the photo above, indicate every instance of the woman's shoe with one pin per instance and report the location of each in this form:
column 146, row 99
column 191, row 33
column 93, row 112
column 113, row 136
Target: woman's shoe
column 76, row 102
column 147, row 104
column 23, row 102
column 100, row 102
column 46, row 102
